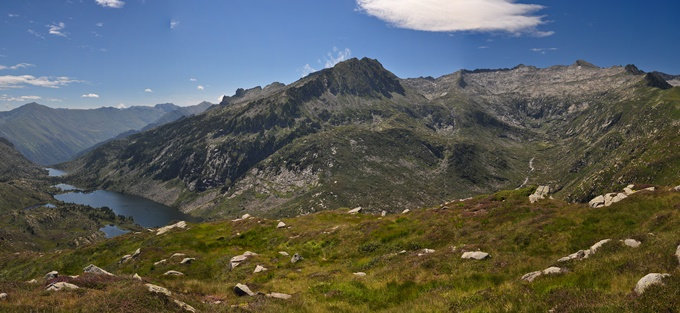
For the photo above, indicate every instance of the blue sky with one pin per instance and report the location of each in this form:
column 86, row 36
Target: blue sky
column 93, row 53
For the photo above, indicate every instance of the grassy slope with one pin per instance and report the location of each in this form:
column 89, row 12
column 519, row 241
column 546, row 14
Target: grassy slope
column 520, row 237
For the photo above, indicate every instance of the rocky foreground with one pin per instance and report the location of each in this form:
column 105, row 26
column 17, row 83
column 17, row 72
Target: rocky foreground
column 490, row 253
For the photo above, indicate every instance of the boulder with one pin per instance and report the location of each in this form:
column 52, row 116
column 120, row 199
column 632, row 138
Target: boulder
column 137, row 277
column 631, row 243
column 173, row 273
column 158, row 290
column 3, row 296
column 574, row 256
column 355, row 210
column 296, row 258
column 540, row 193
column 243, row 290
column 93, row 269
column 284, row 253
column 187, row 260
column 184, row 306
column 648, row 189
column 259, row 268
column 677, row 188
column 137, row 252
column 405, row 211
column 629, row 190
column 51, row 275
column 428, row 251
column 32, row 281
column 245, row 216
column 649, row 280
column 597, row 202
column 278, row 295
column 125, row 258
column 596, row 247
column 248, row 253
column 281, row 225
column 553, row 270
column 61, row 286
column 360, row 274
column 477, row 255
column 160, row 262
column 165, row 229
column 384, row 213
column 531, row 276
column 177, row 255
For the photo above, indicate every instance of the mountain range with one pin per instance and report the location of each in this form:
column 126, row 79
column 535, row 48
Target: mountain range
column 358, row 135
column 49, row 136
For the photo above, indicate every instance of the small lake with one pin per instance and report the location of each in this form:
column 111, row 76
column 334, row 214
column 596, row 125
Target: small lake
column 113, row 231
column 145, row 212
column 53, row 172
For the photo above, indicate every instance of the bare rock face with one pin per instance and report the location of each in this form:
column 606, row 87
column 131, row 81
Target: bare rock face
column 3, row 296
column 187, row 260
column 137, row 277
column 540, row 193
column 597, row 202
column 677, row 253
column 648, row 281
column 243, row 290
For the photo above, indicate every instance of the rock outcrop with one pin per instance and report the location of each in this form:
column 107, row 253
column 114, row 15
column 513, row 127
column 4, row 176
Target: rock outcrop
column 243, row 290
column 158, row 290
column 631, row 243
column 476, row 255
column 278, row 295
column 553, row 270
column 540, row 193
column 583, row 254
column 173, row 273
column 259, row 268
column 355, row 210
column 165, row 229
column 281, row 225
column 296, row 258
column 93, row 269
column 51, row 275
column 59, row 286
column 648, row 281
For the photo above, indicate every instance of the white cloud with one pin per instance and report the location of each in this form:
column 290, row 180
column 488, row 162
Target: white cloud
column 100, row 24
column 543, row 50
column 7, row 98
column 173, row 24
column 148, row 90
column 121, row 106
column 193, row 79
column 16, row 67
column 12, row 15
column 12, row 81
column 337, row 56
column 307, row 69
column 483, row 47
column 200, row 87
column 116, row 4
column 90, row 95
column 458, row 15
column 35, row 33
column 57, row 29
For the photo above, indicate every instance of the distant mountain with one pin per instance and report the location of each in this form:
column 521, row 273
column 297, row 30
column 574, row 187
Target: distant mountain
column 14, row 165
column 357, row 135
column 48, row 136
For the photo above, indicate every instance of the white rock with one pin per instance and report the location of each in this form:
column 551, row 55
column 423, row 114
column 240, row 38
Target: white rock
column 137, row 253
column 531, row 276
column 553, row 270
column 243, row 290
column 355, row 210
column 278, row 295
column 165, row 229
column 93, row 269
column 248, row 253
column 32, row 281
column 631, row 243
column 296, row 258
column 177, row 255
column 677, row 253
column 677, row 188
column 158, row 289
column 259, row 268
column 173, row 273
column 184, row 306
column 125, row 258
column 649, row 280
column 284, row 253
column 383, row 213
column 3, row 296
column 281, row 225
column 405, row 211
column 649, row 189
column 245, row 216
column 188, row 260
column 238, row 258
column 160, row 262
column 539, row 194
column 51, row 275
column 597, row 202
column 477, row 255
column 574, row 256
column 360, row 274
column 609, row 198
column 428, row 250
column 137, row 277
column 61, row 286
column 629, row 190
column 596, row 247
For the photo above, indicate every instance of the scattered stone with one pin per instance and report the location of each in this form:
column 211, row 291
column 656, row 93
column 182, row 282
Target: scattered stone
column 137, row 277
column 677, row 188
column 188, row 260
column 428, row 250
column 402, row 251
column 259, row 268
column 531, row 276
column 629, row 190
column 553, row 270
column 184, row 306
column 596, row 247
column 243, row 290
column 284, row 253
column 631, row 243
column 160, row 262
column 360, row 274
column 173, row 273
column 477, row 255
column 92, row 269
column 32, row 281
column 539, row 194
column 51, row 275
column 597, row 202
column 405, row 211
column 137, row 252
column 3, row 296
column 165, row 229
column 355, row 210
column 574, row 256
column 278, row 295
column 384, row 213
column 648, row 189
column 61, row 286
column 281, row 225
column 177, row 255
column 248, row 253
column 158, row 290
column 125, row 258
column 296, row 258
column 648, row 281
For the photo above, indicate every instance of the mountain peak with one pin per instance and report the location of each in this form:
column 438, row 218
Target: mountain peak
column 359, row 77
column 583, row 63
column 166, row 106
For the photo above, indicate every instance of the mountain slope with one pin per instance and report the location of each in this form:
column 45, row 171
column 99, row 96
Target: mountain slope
column 48, row 136
column 357, row 135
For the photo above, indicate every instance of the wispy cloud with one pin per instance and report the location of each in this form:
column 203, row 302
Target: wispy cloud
column 116, row 4
column 148, row 90
column 35, row 33
column 458, row 15
column 337, row 56
column 90, row 95
column 543, row 50
column 200, row 87
column 306, row 70
column 11, row 81
column 121, row 106
column 7, row 98
column 100, row 24
column 174, row 24
column 12, row 15
column 16, row 67
column 193, row 79
column 57, row 29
